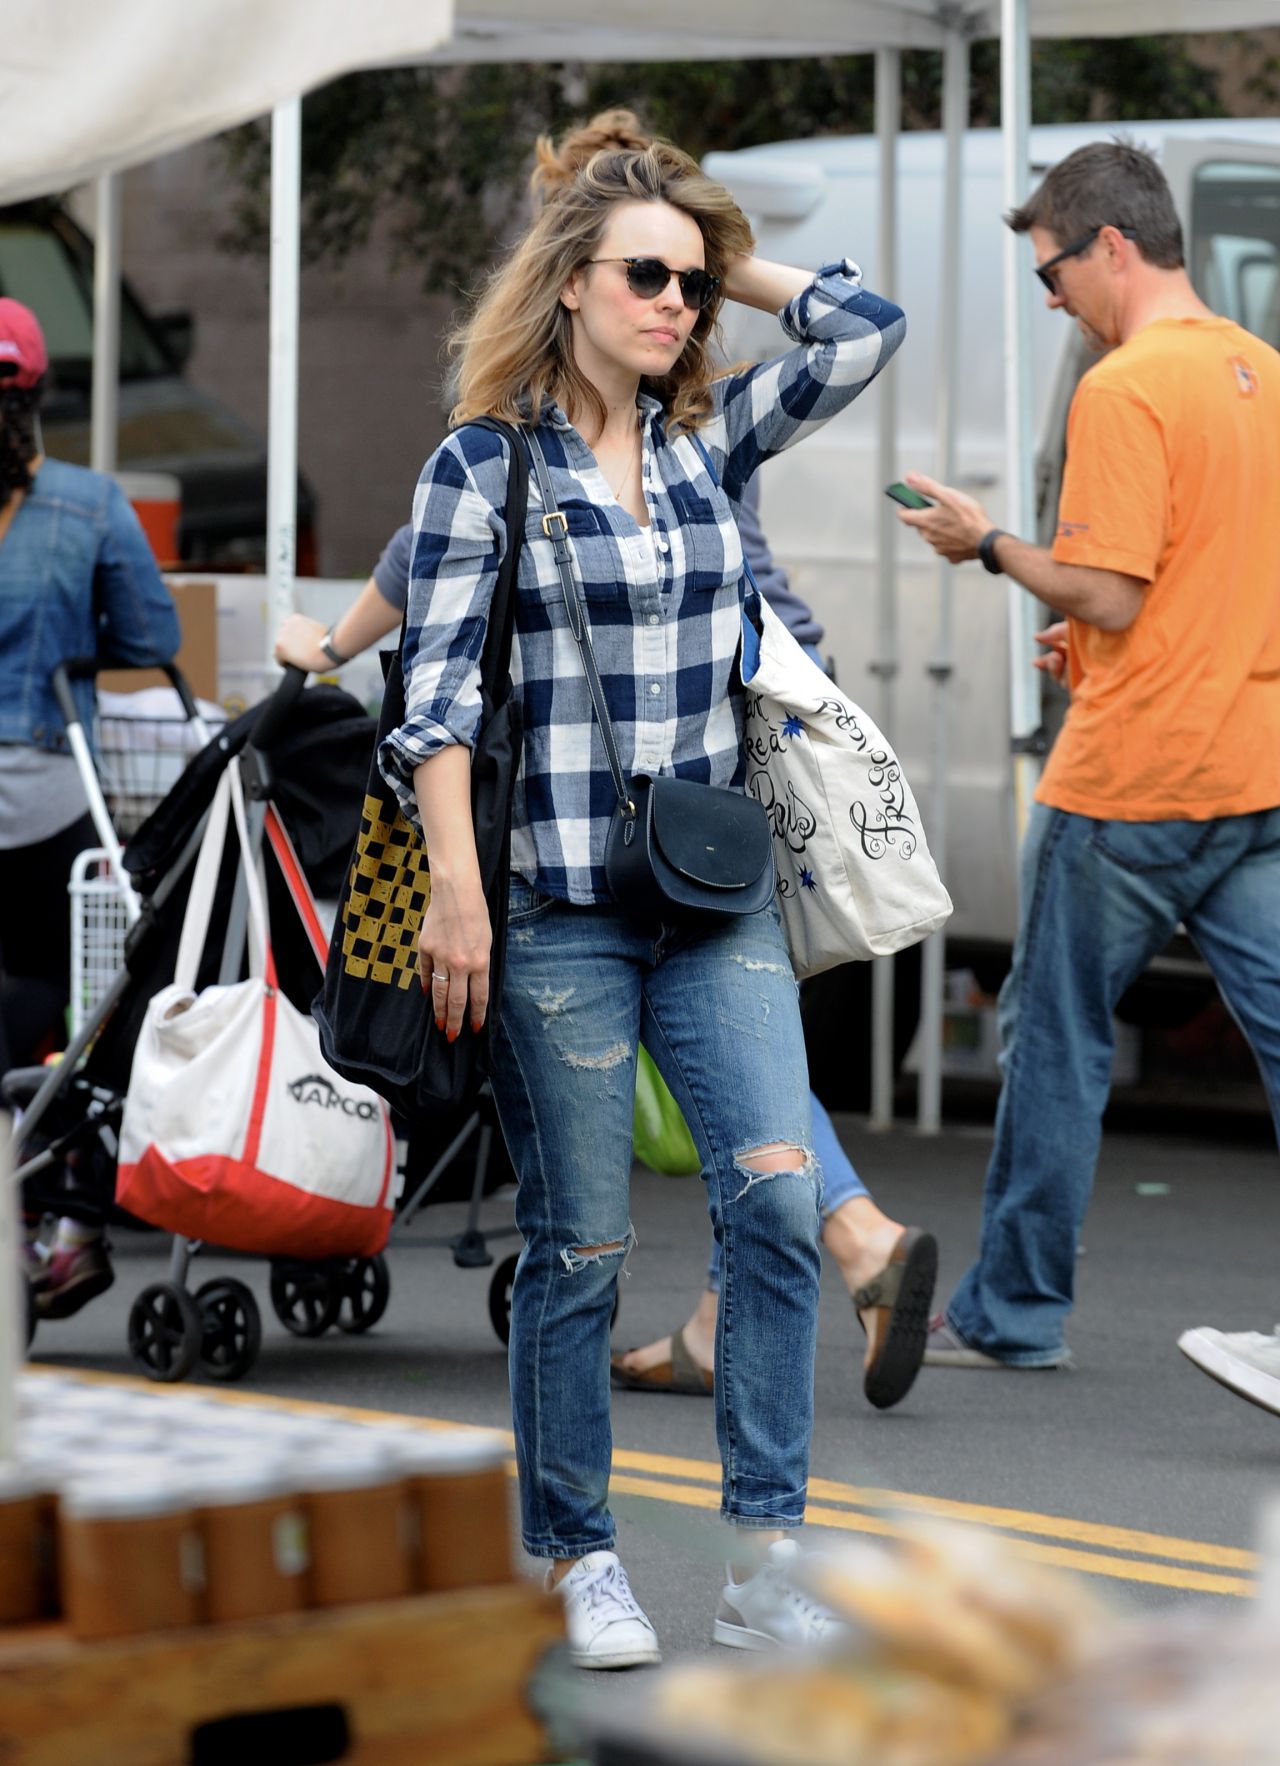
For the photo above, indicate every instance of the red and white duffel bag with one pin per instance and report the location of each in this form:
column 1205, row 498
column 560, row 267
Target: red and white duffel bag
column 235, row 1129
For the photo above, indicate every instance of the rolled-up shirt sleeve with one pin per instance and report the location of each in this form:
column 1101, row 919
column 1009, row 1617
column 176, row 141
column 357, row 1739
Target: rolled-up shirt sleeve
column 844, row 335
column 458, row 541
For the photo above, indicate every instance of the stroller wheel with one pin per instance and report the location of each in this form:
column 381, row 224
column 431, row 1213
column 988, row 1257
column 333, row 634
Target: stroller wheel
column 500, row 1298
column 307, row 1296
column 165, row 1332
column 232, row 1325
column 366, row 1288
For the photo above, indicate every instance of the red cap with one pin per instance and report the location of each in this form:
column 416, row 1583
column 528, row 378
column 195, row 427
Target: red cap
column 23, row 358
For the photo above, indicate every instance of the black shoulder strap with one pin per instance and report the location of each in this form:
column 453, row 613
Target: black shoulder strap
column 495, row 663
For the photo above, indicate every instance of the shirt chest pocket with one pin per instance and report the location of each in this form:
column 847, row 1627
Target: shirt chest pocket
column 712, row 555
column 598, row 569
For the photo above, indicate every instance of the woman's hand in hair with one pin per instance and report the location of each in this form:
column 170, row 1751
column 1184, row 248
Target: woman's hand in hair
column 755, row 282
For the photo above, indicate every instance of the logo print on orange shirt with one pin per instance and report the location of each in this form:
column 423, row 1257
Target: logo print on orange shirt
column 1247, row 382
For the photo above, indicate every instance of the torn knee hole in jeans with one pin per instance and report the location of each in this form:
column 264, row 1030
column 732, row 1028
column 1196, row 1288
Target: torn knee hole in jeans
column 781, row 1157
column 578, row 1257
column 614, row 1056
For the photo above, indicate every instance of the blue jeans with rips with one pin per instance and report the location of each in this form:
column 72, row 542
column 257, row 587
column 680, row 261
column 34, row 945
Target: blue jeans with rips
column 840, row 1182
column 1099, row 900
column 718, row 1011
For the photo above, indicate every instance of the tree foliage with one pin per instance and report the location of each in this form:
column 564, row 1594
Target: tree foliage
column 441, row 156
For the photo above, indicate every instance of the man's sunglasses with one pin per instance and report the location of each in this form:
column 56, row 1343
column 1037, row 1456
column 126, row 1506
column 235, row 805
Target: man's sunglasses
column 647, row 277
column 1045, row 271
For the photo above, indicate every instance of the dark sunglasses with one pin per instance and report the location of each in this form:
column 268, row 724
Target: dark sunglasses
column 648, row 277
column 1045, row 271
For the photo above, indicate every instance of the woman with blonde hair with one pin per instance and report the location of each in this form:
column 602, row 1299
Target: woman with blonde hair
column 595, row 336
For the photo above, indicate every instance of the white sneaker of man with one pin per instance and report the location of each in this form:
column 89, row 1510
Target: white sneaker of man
column 1247, row 1362
column 768, row 1611
column 606, row 1626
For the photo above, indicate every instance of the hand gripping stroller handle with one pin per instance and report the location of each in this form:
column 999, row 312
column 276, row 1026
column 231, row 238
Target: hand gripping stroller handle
column 81, row 668
column 274, row 715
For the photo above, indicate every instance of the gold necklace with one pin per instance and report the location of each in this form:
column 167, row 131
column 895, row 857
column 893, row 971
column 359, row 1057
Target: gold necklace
column 626, row 471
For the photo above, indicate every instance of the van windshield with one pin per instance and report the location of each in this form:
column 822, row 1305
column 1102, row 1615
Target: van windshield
column 51, row 271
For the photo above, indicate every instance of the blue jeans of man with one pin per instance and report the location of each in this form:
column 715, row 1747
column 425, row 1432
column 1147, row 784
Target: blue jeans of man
column 1099, row 900
column 719, row 1013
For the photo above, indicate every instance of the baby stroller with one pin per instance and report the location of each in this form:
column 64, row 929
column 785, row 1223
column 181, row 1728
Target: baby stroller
column 72, row 1113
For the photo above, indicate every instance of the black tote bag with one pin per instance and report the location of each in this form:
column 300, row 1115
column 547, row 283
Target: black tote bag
column 376, row 1023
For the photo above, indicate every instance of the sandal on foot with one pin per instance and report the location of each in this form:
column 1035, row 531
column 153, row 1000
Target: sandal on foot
column 897, row 1303
column 680, row 1374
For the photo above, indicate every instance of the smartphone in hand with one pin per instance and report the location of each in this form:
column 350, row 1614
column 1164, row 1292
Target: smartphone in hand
column 903, row 493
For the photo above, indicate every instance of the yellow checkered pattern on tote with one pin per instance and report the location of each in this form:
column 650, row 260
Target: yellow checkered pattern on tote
column 388, row 895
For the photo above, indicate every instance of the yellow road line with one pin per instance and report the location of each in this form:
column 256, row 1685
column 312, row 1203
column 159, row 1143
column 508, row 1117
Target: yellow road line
column 695, row 1483
column 1126, row 1539
column 841, row 1520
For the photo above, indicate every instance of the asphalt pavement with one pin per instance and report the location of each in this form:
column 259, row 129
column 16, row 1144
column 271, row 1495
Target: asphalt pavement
column 1133, row 1469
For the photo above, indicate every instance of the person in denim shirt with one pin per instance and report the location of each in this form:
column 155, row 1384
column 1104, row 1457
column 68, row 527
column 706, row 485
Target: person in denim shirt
column 596, row 330
column 77, row 578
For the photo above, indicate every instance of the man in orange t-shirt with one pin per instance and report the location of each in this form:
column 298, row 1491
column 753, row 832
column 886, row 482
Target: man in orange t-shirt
column 1160, row 802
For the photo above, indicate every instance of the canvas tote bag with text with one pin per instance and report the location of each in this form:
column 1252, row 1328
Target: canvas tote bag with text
column 855, row 876
column 236, row 1130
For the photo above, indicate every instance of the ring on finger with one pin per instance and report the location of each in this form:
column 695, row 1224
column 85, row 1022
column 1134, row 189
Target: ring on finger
column 437, row 976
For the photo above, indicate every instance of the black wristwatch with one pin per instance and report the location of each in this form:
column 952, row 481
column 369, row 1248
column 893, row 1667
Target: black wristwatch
column 335, row 655
column 987, row 550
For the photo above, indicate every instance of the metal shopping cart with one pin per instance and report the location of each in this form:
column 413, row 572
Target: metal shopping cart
column 142, row 741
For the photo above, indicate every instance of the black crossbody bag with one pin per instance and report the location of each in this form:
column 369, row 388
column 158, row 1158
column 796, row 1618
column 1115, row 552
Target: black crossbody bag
column 376, row 1024
column 676, row 850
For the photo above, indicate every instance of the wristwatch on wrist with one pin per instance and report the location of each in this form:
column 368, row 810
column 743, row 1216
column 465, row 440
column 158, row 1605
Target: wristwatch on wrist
column 335, row 655
column 987, row 550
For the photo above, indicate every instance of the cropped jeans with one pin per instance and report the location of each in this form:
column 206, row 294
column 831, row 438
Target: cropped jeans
column 718, row 1011
column 1099, row 900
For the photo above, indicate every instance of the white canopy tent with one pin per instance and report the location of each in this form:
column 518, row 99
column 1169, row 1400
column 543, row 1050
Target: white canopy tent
column 88, row 90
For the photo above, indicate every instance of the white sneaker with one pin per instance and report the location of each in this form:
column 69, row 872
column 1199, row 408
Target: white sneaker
column 768, row 1612
column 607, row 1627
column 1247, row 1362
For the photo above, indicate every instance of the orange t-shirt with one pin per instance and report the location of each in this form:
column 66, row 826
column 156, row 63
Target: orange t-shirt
column 1173, row 457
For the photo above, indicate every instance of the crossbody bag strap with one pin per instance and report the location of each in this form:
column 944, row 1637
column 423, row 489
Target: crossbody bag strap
column 495, row 662
column 556, row 527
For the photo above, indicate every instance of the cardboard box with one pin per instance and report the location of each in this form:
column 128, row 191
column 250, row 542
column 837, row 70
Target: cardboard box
column 197, row 604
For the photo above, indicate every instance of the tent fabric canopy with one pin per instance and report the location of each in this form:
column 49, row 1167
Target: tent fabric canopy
column 87, row 88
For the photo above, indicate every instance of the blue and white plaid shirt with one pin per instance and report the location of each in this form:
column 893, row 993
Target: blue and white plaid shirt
column 664, row 603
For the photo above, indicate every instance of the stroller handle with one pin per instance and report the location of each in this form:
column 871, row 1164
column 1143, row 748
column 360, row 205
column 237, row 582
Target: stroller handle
column 274, row 714
column 81, row 668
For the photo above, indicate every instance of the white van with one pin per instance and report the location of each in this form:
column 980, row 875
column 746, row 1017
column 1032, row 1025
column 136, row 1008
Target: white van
column 813, row 201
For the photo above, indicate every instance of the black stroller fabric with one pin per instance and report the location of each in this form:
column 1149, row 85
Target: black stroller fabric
column 319, row 761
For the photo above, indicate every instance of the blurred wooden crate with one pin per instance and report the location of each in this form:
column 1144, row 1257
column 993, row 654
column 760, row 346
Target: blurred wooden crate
column 440, row 1678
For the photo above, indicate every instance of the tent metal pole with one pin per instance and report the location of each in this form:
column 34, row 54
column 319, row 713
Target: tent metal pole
column 888, row 100
column 104, row 406
column 955, row 120
column 1015, row 113
column 282, row 432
